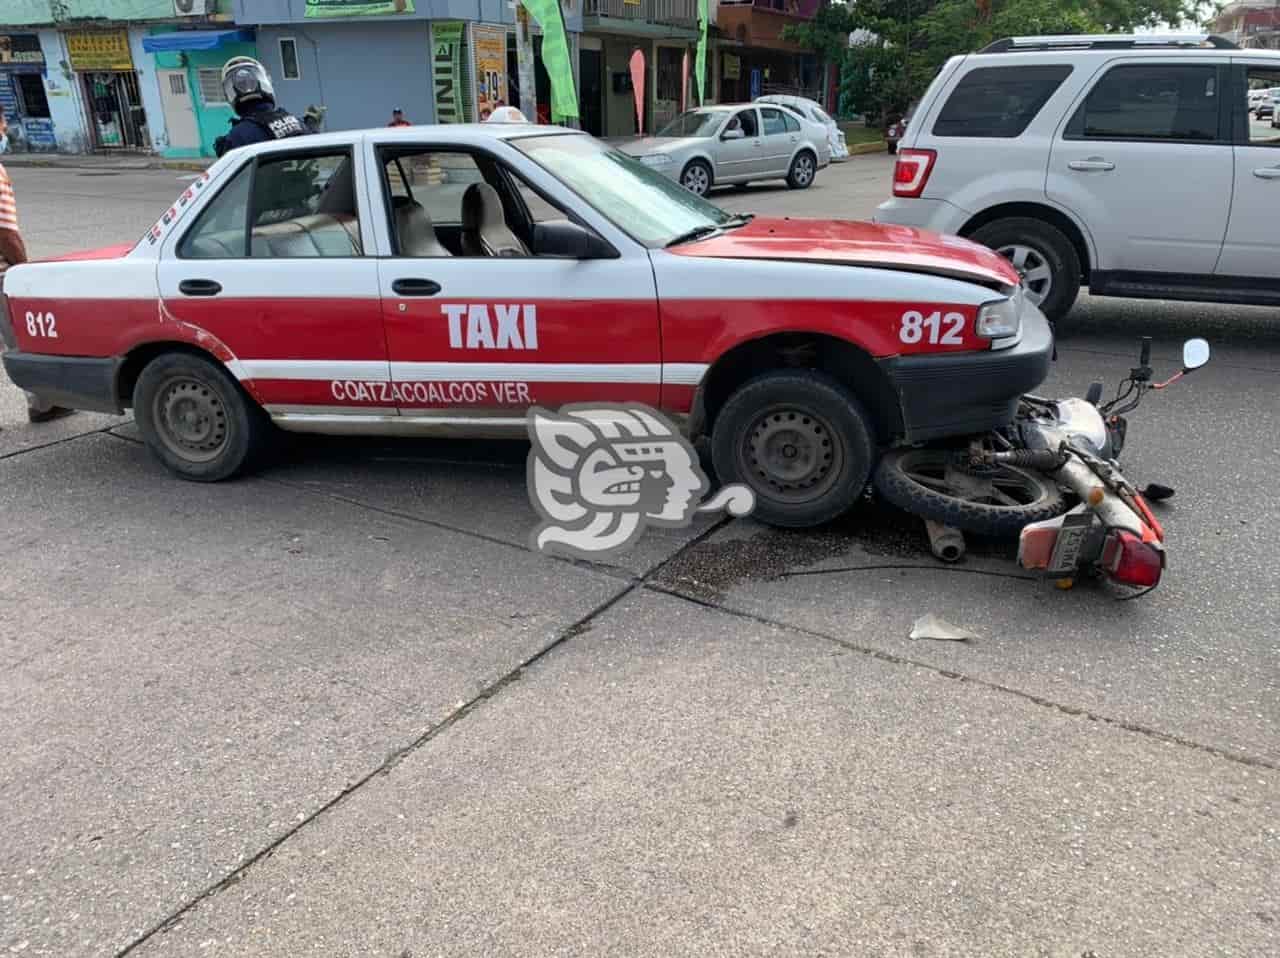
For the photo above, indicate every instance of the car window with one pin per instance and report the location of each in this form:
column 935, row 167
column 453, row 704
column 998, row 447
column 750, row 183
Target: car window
column 434, row 179
column 304, row 206
column 289, row 207
column 693, row 123
column 792, row 124
column 219, row 232
column 648, row 206
column 1262, row 129
column 1156, row 102
column 821, row 117
column 744, row 120
column 773, row 121
column 998, row 101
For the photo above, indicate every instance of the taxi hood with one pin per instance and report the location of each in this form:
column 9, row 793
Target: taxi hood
column 876, row 245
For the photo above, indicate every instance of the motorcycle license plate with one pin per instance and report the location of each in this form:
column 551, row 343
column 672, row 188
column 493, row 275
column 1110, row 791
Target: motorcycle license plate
column 1071, row 541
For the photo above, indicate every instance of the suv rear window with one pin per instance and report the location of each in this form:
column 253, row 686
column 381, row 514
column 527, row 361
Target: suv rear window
column 1156, row 102
column 998, row 101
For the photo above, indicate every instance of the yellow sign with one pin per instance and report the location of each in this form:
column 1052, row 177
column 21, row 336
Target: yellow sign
column 99, row 50
column 732, row 67
column 491, row 68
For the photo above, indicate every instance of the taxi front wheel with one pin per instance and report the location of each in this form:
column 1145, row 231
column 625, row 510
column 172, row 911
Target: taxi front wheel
column 195, row 419
column 800, row 440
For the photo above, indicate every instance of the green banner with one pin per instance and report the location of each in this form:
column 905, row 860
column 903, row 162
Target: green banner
column 555, row 57
column 356, row 8
column 448, row 70
column 700, row 63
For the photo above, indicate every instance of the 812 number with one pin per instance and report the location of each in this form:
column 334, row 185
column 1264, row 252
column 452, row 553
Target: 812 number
column 916, row 326
column 42, row 324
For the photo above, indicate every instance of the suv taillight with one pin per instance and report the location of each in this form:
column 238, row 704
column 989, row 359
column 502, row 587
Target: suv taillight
column 911, row 172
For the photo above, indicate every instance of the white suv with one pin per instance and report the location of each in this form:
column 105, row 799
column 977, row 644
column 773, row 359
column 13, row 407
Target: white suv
column 1127, row 164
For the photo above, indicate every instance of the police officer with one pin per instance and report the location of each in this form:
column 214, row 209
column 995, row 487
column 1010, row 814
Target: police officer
column 248, row 88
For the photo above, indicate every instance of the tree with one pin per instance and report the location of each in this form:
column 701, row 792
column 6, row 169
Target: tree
column 903, row 43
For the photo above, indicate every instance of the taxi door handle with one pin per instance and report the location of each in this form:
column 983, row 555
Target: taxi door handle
column 1268, row 173
column 199, row 287
column 1092, row 163
column 415, row 287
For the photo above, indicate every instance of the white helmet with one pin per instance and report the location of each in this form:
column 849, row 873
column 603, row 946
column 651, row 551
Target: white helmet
column 245, row 79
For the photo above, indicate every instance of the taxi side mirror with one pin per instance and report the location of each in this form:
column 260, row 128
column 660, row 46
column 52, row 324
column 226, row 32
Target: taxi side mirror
column 567, row 240
column 735, row 134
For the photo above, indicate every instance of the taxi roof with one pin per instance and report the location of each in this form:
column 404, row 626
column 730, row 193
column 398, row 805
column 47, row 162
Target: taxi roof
column 454, row 132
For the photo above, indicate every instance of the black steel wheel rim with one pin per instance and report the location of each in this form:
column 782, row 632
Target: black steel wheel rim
column 791, row 455
column 190, row 419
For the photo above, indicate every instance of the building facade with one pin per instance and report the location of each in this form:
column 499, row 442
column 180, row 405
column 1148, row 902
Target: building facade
column 754, row 57
column 91, row 81
column 1249, row 23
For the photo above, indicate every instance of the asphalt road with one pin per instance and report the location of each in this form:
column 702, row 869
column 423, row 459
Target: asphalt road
column 339, row 708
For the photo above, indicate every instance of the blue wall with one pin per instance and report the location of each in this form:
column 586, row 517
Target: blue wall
column 359, row 69
column 254, row 12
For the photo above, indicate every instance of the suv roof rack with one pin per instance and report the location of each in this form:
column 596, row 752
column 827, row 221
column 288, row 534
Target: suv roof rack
column 1104, row 41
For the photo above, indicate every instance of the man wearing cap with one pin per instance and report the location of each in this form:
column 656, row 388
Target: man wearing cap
column 397, row 118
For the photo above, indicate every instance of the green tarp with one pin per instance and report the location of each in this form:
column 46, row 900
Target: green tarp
column 555, row 57
column 700, row 65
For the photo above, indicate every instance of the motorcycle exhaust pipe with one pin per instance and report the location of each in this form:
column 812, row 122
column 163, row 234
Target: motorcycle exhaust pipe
column 947, row 543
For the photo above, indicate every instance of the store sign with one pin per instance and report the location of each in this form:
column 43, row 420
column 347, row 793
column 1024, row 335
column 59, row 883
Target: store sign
column 99, row 50
column 356, row 8
column 491, row 68
column 732, row 66
column 20, row 49
column 447, row 50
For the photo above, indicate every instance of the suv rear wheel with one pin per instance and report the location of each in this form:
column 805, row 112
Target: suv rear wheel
column 1046, row 259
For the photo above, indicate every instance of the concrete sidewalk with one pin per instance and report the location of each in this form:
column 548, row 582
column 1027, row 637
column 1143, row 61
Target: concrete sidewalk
column 98, row 161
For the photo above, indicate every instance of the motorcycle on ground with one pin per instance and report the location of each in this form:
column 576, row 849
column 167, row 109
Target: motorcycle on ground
column 1053, row 479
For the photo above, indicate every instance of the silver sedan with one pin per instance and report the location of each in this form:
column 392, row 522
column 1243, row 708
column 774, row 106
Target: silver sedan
column 735, row 143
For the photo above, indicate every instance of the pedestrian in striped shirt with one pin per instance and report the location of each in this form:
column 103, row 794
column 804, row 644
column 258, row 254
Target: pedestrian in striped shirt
column 12, row 252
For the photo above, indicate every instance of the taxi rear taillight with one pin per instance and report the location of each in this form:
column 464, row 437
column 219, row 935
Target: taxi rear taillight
column 7, row 337
column 1130, row 561
column 911, row 172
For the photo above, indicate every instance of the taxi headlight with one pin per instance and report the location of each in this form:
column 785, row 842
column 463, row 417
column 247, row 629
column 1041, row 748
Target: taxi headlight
column 656, row 159
column 1002, row 318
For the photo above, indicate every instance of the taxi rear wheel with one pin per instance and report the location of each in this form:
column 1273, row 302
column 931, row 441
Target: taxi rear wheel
column 801, row 441
column 195, row 419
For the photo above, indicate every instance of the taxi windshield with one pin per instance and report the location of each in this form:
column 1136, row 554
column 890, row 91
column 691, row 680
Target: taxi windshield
column 694, row 123
column 646, row 205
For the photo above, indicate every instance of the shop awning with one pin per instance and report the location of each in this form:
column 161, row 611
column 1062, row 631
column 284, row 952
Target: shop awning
column 194, row 40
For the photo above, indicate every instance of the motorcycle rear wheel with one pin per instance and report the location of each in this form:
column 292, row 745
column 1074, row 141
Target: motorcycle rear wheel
column 996, row 500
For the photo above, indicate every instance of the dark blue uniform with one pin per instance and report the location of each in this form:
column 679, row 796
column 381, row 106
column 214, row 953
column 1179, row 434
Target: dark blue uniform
column 259, row 123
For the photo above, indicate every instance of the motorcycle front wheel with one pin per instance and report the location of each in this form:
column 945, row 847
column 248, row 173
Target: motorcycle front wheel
column 939, row 484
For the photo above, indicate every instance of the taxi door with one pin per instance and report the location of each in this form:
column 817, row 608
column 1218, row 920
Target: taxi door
column 478, row 335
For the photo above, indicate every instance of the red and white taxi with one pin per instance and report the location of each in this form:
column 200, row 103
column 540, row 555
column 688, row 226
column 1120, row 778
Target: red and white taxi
column 442, row 280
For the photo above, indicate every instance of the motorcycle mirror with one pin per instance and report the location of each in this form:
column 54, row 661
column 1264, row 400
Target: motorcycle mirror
column 1195, row 353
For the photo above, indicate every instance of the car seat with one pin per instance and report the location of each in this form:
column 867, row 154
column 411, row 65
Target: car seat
column 484, row 227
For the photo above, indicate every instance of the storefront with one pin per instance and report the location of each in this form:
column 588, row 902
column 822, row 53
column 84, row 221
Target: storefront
column 188, row 72
column 109, row 86
column 22, row 92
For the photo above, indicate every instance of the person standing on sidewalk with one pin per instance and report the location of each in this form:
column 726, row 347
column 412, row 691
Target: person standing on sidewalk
column 12, row 252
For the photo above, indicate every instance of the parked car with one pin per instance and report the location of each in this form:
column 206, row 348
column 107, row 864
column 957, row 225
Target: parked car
column 1265, row 109
column 1071, row 156
column 735, row 143
column 897, row 127
column 302, row 284
column 813, row 112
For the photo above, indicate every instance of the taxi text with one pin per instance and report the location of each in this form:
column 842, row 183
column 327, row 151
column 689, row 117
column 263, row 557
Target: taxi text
column 422, row 393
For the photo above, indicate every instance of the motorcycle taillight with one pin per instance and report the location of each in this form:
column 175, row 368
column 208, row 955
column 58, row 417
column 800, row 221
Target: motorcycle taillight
column 1130, row 561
